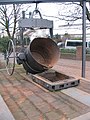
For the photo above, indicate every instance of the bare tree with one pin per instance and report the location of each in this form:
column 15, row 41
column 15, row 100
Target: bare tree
column 87, row 10
column 9, row 15
column 70, row 12
column 73, row 11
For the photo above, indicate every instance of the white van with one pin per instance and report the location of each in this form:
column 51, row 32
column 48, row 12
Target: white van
column 72, row 44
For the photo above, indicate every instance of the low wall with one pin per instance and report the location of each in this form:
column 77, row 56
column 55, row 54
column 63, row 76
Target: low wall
column 68, row 56
column 73, row 56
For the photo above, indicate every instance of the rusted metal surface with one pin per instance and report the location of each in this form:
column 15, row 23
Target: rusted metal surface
column 54, row 76
column 41, row 55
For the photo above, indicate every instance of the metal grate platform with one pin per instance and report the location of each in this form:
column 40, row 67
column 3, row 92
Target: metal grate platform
column 53, row 80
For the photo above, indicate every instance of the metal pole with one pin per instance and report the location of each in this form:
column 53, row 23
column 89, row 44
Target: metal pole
column 84, row 39
column 51, row 32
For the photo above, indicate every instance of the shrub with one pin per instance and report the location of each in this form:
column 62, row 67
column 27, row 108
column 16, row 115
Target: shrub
column 3, row 44
column 63, row 50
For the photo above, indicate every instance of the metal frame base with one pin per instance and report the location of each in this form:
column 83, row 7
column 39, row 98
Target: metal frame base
column 58, row 85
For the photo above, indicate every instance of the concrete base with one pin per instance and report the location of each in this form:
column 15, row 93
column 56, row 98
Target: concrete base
column 5, row 113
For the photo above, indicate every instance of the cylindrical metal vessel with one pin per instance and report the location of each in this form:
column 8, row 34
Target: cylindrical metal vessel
column 41, row 55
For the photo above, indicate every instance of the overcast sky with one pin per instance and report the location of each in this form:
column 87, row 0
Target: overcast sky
column 51, row 9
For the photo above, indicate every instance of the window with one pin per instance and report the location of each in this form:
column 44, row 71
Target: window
column 74, row 44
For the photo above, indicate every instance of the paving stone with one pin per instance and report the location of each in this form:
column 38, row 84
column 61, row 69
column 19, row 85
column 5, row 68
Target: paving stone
column 74, row 104
column 15, row 83
column 58, row 104
column 47, row 97
column 83, row 111
column 44, row 107
column 34, row 103
column 25, row 104
column 71, row 116
column 83, row 117
column 10, row 101
column 40, row 117
column 12, row 104
column 6, row 83
column 19, row 115
column 3, row 91
column 17, row 97
column 26, row 91
column 13, row 107
column 12, row 90
column 35, row 99
column 31, row 112
column 33, row 87
column 20, row 100
column 79, row 108
column 6, row 96
column 53, row 115
column 67, row 110
column 1, row 86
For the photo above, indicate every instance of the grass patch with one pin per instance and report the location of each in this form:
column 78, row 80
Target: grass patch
column 72, row 51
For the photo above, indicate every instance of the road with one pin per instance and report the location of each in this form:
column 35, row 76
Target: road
column 72, row 67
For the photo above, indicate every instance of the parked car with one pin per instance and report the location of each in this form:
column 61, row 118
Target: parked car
column 61, row 44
